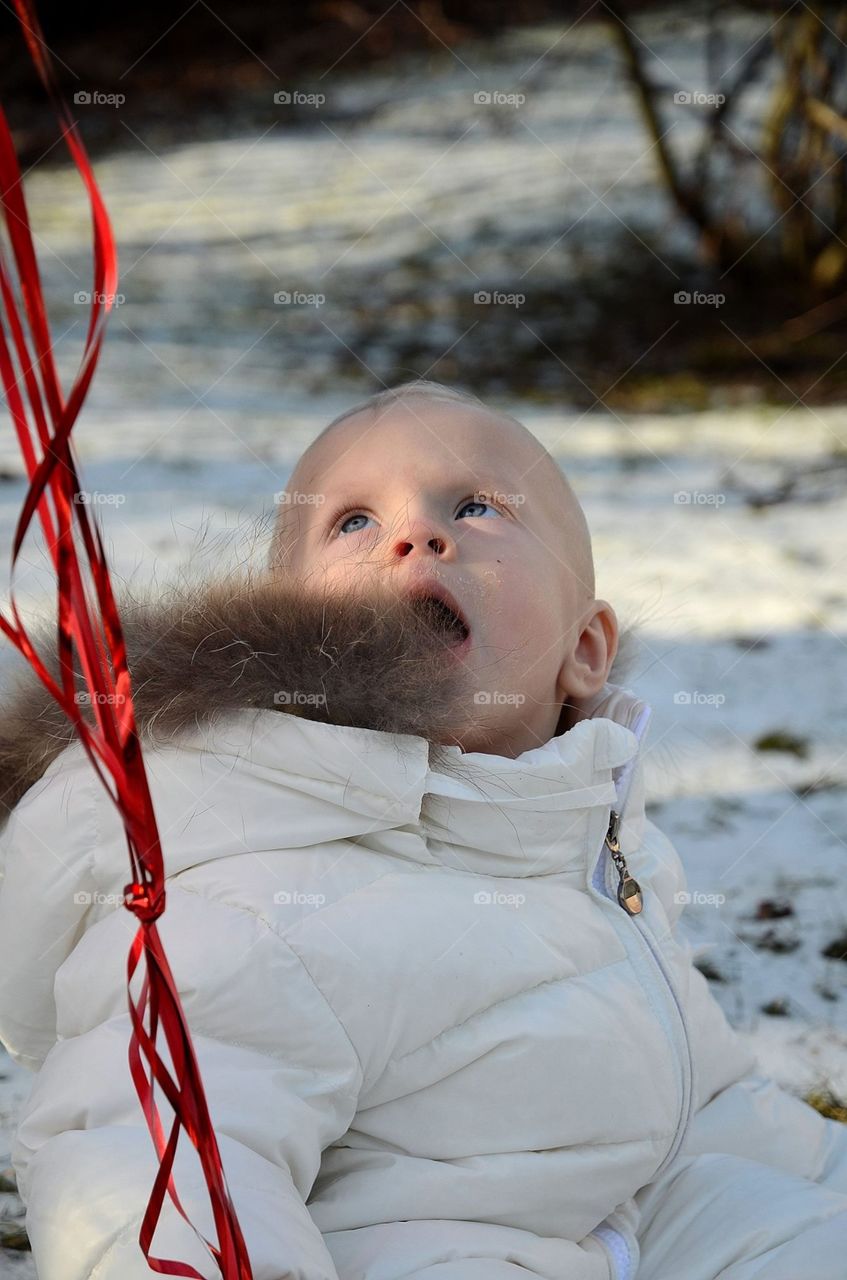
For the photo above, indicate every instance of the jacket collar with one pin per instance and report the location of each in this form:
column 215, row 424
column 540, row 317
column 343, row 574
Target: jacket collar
column 235, row 769
column 293, row 782
column 532, row 815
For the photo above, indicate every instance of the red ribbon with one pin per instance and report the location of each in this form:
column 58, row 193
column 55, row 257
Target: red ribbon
column 93, row 632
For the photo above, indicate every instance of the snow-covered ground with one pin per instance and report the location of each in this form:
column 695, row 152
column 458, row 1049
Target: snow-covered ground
column 208, row 390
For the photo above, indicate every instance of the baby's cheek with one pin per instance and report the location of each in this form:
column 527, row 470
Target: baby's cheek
column 532, row 634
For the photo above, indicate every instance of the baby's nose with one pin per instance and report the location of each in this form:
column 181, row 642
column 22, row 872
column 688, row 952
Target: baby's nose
column 424, row 537
column 434, row 543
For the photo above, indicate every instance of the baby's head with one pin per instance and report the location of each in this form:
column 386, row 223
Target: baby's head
column 423, row 486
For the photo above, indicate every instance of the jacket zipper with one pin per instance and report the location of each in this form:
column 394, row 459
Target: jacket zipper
column 629, row 890
column 630, row 898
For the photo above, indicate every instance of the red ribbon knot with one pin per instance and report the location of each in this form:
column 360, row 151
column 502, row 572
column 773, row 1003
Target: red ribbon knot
column 137, row 900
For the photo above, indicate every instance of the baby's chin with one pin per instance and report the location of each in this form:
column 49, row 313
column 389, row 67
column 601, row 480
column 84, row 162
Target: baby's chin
column 509, row 734
column 500, row 738
column 467, row 741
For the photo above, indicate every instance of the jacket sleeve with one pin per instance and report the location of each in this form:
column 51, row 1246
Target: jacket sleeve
column 280, row 1075
column 46, row 885
column 738, row 1109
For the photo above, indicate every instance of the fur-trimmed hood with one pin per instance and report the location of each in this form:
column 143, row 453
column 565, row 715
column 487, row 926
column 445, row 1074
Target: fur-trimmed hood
column 197, row 651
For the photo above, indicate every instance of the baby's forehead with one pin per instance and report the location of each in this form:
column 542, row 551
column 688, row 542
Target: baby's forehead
column 428, row 437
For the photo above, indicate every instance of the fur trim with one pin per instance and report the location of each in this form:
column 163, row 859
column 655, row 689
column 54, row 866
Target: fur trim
column 197, row 652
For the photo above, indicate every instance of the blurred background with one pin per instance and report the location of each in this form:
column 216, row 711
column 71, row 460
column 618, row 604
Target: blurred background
column 625, row 224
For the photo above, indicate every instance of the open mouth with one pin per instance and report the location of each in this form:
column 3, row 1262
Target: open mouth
column 446, row 621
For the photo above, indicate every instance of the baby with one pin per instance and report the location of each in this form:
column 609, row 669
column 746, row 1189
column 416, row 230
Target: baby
column 425, row 936
column 423, row 486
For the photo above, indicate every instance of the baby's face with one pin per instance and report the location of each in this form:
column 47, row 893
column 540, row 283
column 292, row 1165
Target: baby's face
column 435, row 491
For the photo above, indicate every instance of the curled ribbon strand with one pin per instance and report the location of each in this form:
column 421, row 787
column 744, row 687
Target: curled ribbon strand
column 43, row 421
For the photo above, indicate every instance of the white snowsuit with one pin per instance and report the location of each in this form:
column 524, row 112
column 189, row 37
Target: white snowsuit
column 433, row 1042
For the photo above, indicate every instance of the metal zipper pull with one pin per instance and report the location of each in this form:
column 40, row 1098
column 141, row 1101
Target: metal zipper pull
column 629, row 890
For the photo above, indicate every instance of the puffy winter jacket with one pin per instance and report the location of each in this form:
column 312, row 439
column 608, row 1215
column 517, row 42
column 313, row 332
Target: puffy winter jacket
column 434, row 1043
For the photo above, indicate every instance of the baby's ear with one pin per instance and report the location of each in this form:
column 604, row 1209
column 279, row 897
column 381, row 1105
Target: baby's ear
column 586, row 668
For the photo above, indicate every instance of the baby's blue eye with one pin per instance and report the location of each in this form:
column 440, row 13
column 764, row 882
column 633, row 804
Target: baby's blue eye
column 474, row 503
column 358, row 515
